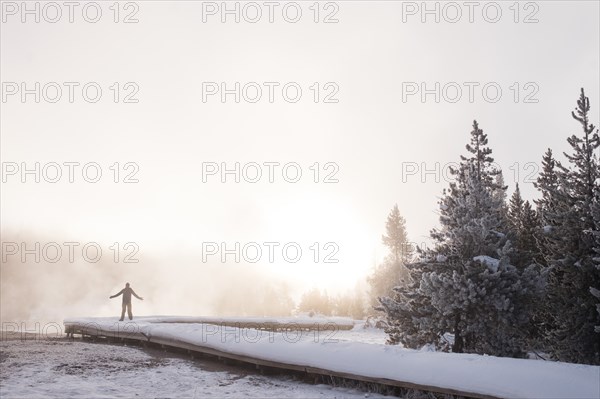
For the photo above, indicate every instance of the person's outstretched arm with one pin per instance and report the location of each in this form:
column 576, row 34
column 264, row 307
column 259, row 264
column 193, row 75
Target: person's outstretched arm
column 116, row 295
column 135, row 295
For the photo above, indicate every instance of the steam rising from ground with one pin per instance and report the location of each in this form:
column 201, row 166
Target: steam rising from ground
column 174, row 285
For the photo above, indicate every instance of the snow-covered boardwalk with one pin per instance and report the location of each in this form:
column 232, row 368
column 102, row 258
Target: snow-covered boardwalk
column 320, row 351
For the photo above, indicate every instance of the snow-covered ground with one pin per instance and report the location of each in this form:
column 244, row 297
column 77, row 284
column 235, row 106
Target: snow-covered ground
column 339, row 323
column 369, row 335
column 60, row 368
column 350, row 352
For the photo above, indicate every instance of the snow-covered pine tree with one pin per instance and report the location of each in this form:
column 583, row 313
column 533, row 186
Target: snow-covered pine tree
column 396, row 238
column 515, row 209
column 547, row 184
column 570, row 248
column 465, row 284
column 392, row 271
column 549, row 208
column 528, row 254
column 409, row 313
column 500, row 196
column 528, row 236
column 480, row 156
column 524, row 228
column 595, row 290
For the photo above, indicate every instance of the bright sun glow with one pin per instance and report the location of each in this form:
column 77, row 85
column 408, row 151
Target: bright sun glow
column 337, row 250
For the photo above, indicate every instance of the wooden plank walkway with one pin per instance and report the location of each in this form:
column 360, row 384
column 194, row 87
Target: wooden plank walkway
column 95, row 331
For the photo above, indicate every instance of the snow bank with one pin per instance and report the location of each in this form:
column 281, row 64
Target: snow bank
column 483, row 375
column 341, row 322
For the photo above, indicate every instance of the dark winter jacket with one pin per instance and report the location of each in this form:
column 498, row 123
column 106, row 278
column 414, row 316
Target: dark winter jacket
column 127, row 292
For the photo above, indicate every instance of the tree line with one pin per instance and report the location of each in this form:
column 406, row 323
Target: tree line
column 503, row 277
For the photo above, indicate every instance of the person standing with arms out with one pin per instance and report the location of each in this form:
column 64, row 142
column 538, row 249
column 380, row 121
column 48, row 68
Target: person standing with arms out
column 127, row 292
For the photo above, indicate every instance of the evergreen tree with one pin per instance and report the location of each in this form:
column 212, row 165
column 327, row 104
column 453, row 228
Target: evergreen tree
column 499, row 194
column 595, row 291
column 552, row 204
column 549, row 207
column 524, row 229
column 396, row 238
column 547, row 183
column 571, row 248
column 392, row 271
column 466, row 285
column 528, row 236
column 515, row 209
column 350, row 304
column 482, row 161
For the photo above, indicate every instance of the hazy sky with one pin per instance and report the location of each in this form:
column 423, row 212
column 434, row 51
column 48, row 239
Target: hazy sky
column 366, row 61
